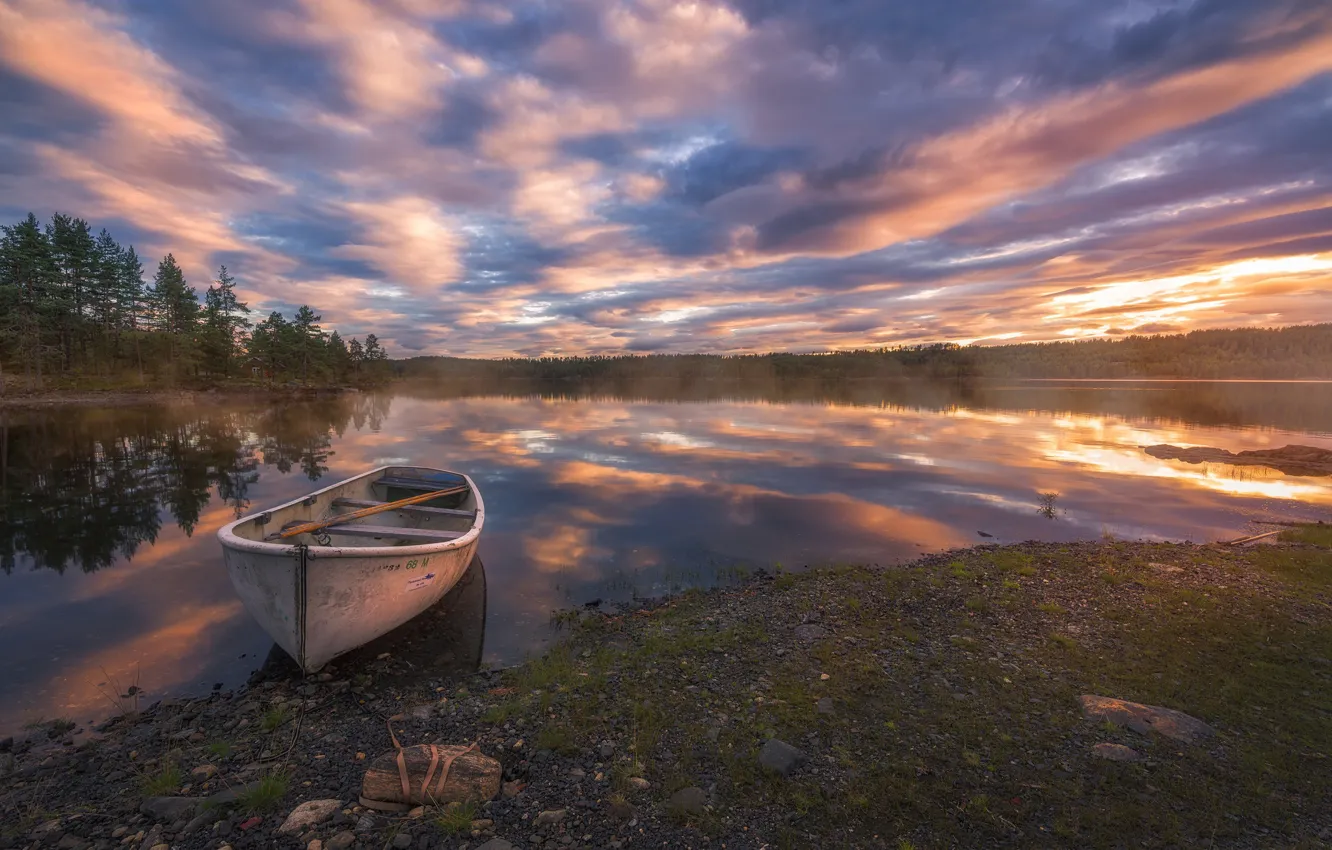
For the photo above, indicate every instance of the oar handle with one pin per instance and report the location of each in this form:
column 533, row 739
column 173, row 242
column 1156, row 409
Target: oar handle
column 315, row 525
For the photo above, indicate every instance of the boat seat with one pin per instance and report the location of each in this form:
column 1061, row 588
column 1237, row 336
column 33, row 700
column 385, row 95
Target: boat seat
column 415, row 509
column 423, row 484
column 422, row 534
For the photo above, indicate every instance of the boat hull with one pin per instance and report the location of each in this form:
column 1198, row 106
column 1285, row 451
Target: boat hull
column 318, row 602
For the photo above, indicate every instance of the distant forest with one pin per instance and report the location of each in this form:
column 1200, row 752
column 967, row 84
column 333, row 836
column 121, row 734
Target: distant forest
column 75, row 308
column 1302, row 351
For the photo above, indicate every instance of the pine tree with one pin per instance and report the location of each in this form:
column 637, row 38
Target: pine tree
column 176, row 307
column 270, row 343
column 75, row 254
column 27, row 277
column 339, row 358
column 356, row 354
column 224, row 322
column 310, row 340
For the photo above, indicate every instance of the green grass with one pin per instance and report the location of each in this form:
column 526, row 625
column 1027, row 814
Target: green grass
column 219, row 749
column 1314, row 534
column 456, row 819
column 557, row 739
column 274, row 717
column 265, row 794
column 916, row 670
column 163, row 781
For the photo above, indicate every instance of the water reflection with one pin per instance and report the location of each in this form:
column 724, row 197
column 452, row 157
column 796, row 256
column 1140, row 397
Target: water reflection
column 109, row 515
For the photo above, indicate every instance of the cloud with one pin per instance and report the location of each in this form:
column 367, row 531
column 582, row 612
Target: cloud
column 489, row 179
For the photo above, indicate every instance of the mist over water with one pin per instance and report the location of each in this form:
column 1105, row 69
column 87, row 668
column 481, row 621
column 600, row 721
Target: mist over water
column 111, row 569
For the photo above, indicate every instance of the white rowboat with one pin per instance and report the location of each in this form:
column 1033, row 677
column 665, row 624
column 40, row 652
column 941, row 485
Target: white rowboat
column 319, row 595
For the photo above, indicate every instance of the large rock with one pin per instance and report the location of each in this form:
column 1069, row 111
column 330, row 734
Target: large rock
column 168, row 809
column 1146, row 718
column 308, row 814
column 472, row 777
column 780, row 757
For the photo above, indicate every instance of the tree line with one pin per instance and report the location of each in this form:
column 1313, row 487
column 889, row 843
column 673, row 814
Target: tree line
column 1295, row 352
column 74, row 306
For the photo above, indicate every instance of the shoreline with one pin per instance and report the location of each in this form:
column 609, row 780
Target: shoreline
column 147, row 395
column 927, row 705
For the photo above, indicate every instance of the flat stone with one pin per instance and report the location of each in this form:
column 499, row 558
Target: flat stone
column 638, row 783
column 229, row 796
column 71, row 842
column 315, row 844
column 402, row 841
column 607, row 749
column 199, row 822
column 308, row 814
column 808, row 632
column 496, row 844
column 1146, row 718
column 168, row 808
column 1115, row 752
column 341, row 841
column 779, row 756
column 365, row 824
column 690, row 801
column 204, row 771
column 824, row 705
column 550, row 816
column 621, row 810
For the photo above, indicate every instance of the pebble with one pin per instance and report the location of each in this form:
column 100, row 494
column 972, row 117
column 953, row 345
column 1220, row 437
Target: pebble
column 550, row 816
column 513, row 788
column 825, row 705
column 308, row 814
column 315, row 844
column 341, row 841
column 402, row 841
column 204, row 771
column 638, row 783
column 607, row 749
column 496, row 844
column 1115, row 752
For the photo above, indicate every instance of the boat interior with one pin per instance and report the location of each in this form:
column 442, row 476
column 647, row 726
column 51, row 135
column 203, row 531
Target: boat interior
column 445, row 517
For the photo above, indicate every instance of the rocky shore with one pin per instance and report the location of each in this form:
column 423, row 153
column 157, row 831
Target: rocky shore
column 1039, row 695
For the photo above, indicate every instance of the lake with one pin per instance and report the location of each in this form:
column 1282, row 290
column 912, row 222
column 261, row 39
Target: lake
column 112, row 573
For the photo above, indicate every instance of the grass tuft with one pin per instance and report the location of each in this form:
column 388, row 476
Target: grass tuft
column 274, row 717
column 456, row 819
column 164, row 781
column 1314, row 534
column 264, row 795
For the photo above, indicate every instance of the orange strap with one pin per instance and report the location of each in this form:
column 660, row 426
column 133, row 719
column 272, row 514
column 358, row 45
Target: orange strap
column 426, row 793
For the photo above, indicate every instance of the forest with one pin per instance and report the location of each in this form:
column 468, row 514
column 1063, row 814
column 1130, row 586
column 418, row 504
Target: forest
column 75, row 310
column 1296, row 352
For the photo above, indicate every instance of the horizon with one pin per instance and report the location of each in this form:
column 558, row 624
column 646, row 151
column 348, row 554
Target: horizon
column 479, row 180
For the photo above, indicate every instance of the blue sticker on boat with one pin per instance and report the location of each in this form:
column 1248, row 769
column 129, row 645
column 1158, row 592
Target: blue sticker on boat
column 420, row 581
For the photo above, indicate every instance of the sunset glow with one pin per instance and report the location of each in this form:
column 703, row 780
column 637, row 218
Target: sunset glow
column 482, row 179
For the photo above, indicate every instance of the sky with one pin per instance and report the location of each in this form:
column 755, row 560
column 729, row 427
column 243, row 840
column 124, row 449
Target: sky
column 480, row 178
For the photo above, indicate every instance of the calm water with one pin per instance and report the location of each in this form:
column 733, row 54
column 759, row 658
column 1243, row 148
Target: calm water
column 110, row 564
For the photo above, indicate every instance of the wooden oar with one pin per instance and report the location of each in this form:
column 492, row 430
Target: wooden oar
column 315, row 525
